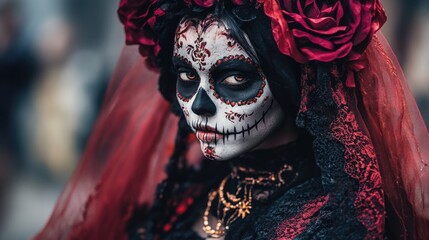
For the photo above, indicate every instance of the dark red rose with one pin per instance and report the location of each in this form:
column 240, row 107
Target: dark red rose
column 138, row 18
column 325, row 30
column 204, row 3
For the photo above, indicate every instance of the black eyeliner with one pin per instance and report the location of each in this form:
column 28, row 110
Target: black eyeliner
column 235, row 65
column 179, row 63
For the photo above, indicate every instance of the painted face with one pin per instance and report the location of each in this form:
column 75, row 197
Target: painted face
column 223, row 93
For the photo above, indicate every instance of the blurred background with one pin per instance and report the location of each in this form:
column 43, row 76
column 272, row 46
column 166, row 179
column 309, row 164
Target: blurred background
column 56, row 57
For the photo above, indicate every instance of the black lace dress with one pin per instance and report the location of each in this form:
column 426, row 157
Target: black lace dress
column 274, row 209
column 294, row 208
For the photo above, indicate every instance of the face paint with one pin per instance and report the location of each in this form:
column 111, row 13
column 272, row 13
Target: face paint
column 223, row 93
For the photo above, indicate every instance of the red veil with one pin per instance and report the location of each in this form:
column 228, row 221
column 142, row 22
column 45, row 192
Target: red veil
column 134, row 138
column 400, row 139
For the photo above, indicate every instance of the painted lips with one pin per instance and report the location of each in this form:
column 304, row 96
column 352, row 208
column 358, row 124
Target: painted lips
column 209, row 137
column 208, row 134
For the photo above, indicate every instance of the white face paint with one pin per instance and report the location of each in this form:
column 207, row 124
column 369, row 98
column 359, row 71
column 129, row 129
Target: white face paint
column 223, row 93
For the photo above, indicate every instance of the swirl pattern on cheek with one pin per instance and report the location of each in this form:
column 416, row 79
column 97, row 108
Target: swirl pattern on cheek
column 232, row 116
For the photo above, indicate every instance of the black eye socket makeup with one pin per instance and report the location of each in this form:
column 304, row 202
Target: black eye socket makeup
column 187, row 78
column 236, row 78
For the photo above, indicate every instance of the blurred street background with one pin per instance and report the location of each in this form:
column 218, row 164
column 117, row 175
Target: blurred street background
column 56, row 58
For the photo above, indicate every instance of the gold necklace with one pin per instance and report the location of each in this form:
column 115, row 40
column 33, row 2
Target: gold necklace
column 238, row 204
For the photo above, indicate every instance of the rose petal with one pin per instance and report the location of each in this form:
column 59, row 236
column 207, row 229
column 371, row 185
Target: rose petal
column 204, row 3
column 340, row 12
column 287, row 5
column 321, row 23
column 281, row 33
column 343, row 28
column 365, row 25
column 316, row 54
column 306, row 37
column 292, row 17
column 310, row 2
column 300, row 8
column 312, row 11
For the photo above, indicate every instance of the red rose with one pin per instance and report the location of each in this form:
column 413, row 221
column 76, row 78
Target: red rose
column 324, row 30
column 204, row 3
column 138, row 18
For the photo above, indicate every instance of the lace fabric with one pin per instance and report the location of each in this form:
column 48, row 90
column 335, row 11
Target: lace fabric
column 178, row 223
column 400, row 138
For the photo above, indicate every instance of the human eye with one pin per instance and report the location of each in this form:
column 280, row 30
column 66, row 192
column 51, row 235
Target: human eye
column 188, row 76
column 235, row 80
column 187, row 83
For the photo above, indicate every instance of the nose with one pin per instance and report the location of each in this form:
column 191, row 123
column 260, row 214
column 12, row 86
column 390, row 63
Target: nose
column 203, row 105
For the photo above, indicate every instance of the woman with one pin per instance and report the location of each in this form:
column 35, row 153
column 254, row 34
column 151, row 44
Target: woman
column 293, row 101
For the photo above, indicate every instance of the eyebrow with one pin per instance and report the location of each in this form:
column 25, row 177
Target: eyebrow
column 179, row 61
column 243, row 65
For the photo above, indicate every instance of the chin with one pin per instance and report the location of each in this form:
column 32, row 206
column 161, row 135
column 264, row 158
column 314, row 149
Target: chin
column 223, row 152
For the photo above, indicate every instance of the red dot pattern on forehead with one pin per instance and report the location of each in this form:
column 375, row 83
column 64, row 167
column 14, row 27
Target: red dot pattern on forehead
column 244, row 102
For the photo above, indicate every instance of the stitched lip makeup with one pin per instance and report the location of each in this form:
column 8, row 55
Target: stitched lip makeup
column 208, row 137
column 208, row 134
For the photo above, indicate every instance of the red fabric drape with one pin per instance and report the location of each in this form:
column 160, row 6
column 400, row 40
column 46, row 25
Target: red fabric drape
column 124, row 159
column 400, row 138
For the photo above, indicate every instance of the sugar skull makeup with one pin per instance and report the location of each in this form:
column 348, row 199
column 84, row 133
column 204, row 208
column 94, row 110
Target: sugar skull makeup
column 223, row 93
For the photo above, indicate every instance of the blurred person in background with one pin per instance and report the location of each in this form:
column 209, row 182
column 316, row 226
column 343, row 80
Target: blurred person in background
column 68, row 90
column 415, row 50
column 47, row 117
column 407, row 18
column 59, row 99
column 17, row 72
column 408, row 32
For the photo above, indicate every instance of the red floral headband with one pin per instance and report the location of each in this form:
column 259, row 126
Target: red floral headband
column 306, row 30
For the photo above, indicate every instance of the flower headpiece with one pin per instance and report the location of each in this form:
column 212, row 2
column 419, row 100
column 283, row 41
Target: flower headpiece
column 306, row 30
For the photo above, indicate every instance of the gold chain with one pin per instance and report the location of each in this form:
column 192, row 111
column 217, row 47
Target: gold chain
column 218, row 231
column 239, row 206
